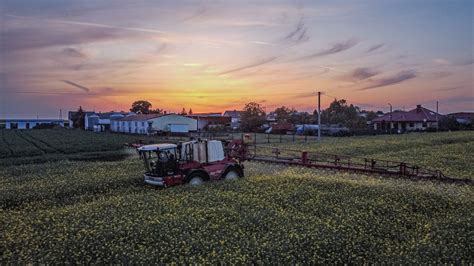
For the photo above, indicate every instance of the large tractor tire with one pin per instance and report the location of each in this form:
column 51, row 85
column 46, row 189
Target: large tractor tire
column 232, row 173
column 196, row 179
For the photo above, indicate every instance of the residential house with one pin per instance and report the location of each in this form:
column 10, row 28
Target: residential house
column 418, row 119
column 235, row 118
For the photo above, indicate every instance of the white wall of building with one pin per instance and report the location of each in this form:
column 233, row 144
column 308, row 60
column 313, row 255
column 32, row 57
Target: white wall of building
column 132, row 127
column 163, row 123
column 166, row 123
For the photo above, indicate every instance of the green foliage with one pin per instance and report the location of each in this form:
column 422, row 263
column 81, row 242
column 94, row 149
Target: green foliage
column 39, row 146
column 339, row 112
column 284, row 113
column 101, row 212
column 252, row 117
column 449, row 123
column 449, row 152
column 144, row 107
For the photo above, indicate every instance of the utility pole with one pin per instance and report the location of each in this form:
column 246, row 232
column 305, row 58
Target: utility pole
column 319, row 116
column 437, row 122
column 390, row 126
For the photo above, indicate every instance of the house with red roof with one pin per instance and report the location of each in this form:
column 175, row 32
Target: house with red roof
column 418, row 119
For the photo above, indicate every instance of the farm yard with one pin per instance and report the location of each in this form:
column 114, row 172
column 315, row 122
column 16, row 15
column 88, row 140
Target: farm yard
column 74, row 196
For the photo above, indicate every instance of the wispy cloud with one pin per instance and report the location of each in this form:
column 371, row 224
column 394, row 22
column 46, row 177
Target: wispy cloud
column 199, row 13
column 255, row 64
column 333, row 49
column 451, row 88
column 89, row 24
column 441, row 61
column 35, row 37
column 375, row 47
column 298, row 34
column 76, row 85
column 73, row 52
column 395, row 79
column 262, row 43
column 363, row 73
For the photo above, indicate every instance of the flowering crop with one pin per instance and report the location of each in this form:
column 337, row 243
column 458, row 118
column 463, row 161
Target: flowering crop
column 450, row 152
column 101, row 212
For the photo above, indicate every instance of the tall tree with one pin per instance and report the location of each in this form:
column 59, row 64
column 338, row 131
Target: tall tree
column 190, row 111
column 141, row 107
column 156, row 111
column 284, row 113
column 339, row 112
column 252, row 117
column 183, row 112
column 78, row 118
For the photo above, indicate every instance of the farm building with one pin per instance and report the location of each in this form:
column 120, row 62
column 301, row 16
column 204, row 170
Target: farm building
column 31, row 123
column 71, row 115
column 281, row 127
column 211, row 120
column 235, row 118
column 463, row 118
column 101, row 121
column 418, row 119
column 147, row 123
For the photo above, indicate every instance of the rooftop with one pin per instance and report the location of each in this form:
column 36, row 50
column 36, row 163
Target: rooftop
column 419, row 114
column 139, row 117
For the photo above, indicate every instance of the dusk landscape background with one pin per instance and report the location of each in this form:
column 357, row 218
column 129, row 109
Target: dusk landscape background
column 219, row 55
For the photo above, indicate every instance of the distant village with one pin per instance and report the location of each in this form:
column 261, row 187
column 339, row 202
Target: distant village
column 339, row 119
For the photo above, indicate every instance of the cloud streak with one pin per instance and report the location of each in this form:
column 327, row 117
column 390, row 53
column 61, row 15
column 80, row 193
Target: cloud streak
column 76, row 85
column 255, row 64
column 298, row 34
column 333, row 49
column 89, row 24
column 375, row 48
column 363, row 73
column 73, row 52
column 36, row 37
column 395, row 79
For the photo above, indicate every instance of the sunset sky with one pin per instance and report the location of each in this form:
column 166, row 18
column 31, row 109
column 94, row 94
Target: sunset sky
column 219, row 55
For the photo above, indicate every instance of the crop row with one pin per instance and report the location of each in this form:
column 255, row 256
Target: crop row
column 92, row 212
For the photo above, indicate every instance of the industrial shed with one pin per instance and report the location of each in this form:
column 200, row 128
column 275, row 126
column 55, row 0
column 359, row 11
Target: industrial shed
column 147, row 123
column 173, row 123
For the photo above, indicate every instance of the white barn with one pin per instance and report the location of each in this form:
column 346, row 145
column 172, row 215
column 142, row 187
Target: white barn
column 146, row 123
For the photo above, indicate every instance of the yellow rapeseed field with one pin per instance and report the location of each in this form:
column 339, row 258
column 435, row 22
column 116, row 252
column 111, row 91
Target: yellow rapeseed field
column 101, row 212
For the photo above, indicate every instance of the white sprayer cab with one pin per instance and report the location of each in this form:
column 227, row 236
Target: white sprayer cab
column 214, row 151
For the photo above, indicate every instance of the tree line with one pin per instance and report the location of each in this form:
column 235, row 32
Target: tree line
column 338, row 112
column 253, row 115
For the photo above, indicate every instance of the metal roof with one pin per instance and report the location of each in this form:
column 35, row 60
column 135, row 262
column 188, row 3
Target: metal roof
column 233, row 114
column 139, row 117
column 419, row 114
